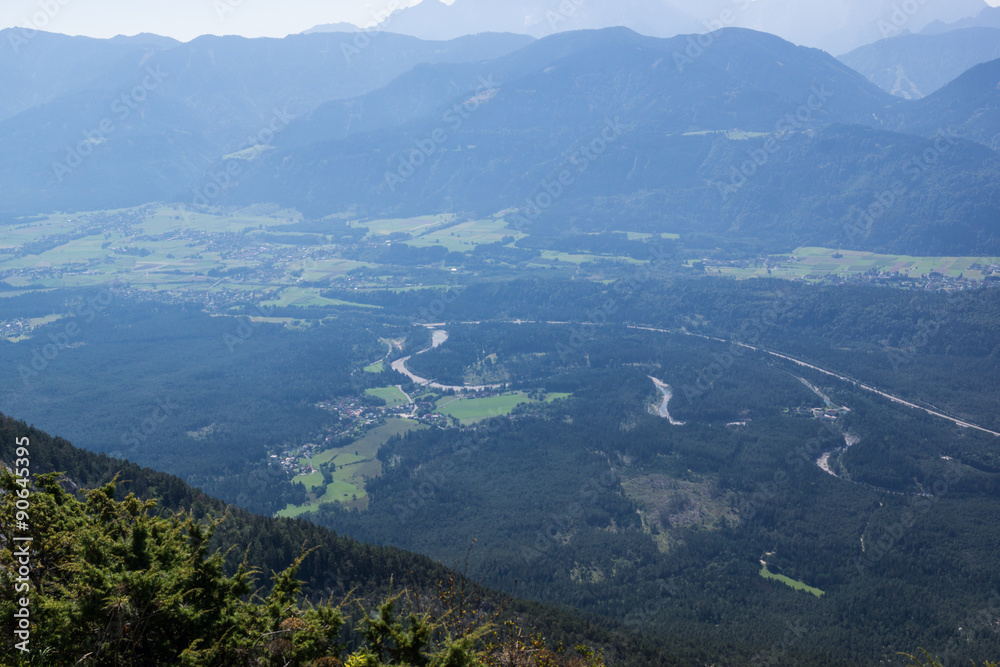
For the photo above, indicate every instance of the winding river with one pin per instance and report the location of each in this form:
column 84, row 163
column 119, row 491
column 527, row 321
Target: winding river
column 438, row 338
column 400, row 365
column 668, row 393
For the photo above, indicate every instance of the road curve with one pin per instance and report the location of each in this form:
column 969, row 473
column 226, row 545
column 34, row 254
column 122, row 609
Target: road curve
column 894, row 399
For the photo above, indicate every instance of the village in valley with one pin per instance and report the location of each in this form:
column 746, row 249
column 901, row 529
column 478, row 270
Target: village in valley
column 335, row 464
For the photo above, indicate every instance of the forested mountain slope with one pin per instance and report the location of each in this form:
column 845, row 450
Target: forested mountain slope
column 332, row 568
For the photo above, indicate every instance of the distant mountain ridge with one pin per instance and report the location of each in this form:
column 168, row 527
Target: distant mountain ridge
column 969, row 106
column 110, row 134
column 988, row 17
column 432, row 19
column 914, row 66
column 332, row 27
column 836, row 27
column 710, row 134
column 693, row 155
column 39, row 67
column 673, row 90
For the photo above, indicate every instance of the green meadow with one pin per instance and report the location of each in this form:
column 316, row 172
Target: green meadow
column 305, row 297
column 413, row 226
column 817, row 263
column 392, row 396
column 797, row 585
column 350, row 466
column 465, row 236
column 550, row 256
column 472, row 410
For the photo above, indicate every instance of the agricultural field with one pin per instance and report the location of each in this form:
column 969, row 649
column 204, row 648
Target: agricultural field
column 392, row 396
column 732, row 135
column 472, row 410
column 305, row 297
column 850, row 261
column 797, row 585
column 642, row 236
column 251, row 255
column 349, row 468
column 551, row 256
column 413, row 226
column 314, row 270
column 175, row 252
column 165, row 249
column 465, row 236
column 12, row 236
column 819, row 263
column 442, row 230
column 255, row 257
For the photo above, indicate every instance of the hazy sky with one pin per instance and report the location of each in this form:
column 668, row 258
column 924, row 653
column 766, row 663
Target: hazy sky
column 185, row 19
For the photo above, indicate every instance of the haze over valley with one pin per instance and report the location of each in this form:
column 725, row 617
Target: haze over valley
column 524, row 332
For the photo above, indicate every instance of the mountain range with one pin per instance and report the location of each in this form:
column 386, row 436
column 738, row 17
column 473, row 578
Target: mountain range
column 987, row 17
column 969, row 106
column 701, row 134
column 708, row 323
column 835, row 27
column 141, row 118
column 914, row 66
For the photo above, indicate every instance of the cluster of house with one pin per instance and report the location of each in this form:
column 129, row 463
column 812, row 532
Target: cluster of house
column 826, row 414
column 12, row 329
